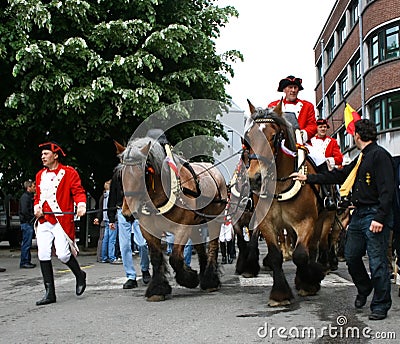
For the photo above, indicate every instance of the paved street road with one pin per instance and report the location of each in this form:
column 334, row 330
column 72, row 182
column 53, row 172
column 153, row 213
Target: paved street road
column 238, row 313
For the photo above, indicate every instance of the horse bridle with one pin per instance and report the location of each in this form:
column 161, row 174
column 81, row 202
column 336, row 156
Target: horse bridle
column 277, row 139
column 135, row 164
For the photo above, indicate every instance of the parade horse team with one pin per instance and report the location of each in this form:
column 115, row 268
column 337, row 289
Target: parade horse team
column 165, row 192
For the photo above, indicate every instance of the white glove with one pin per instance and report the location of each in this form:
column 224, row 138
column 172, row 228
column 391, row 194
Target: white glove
column 331, row 163
column 304, row 135
column 81, row 210
column 37, row 211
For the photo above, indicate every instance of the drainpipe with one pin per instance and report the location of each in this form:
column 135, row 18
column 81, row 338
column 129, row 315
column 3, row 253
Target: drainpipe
column 362, row 85
column 323, row 78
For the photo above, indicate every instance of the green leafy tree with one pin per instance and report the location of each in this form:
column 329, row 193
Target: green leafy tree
column 83, row 73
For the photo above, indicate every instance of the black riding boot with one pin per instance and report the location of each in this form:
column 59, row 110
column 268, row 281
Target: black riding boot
column 329, row 201
column 230, row 255
column 48, row 279
column 80, row 275
column 222, row 246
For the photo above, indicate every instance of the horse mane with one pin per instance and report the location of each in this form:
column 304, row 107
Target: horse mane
column 135, row 153
column 281, row 121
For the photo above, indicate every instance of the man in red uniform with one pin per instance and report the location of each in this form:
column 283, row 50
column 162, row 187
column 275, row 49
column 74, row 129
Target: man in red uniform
column 303, row 109
column 325, row 152
column 58, row 187
column 325, row 148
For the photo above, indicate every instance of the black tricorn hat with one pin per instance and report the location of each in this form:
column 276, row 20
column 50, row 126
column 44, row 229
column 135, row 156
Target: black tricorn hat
column 290, row 80
column 52, row 146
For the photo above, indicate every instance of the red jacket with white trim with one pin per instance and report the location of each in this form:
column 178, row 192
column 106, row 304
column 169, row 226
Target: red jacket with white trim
column 57, row 191
column 305, row 114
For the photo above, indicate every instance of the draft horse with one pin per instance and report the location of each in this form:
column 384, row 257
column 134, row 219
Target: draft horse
column 166, row 193
column 284, row 203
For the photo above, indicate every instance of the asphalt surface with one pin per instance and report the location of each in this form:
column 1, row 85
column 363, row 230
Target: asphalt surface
column 237, row 313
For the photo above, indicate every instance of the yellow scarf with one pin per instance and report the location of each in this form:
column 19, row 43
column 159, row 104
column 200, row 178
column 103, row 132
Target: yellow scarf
column 348, row 183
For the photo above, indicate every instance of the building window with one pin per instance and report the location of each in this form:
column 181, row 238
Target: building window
column 392, row 42
column 343, row 84
column 345, row 139
column 332, row 100
column 384, row 45
column 330, row 52
column 355, row 66
column 341, row 32
column 319, row 70
column 386, row 112
column 353, row 9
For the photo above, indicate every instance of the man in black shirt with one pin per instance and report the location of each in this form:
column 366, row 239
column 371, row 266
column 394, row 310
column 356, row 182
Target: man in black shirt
column 26, row 219
column 372, row 219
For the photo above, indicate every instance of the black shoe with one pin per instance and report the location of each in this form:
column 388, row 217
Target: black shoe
column 146, row 276
column 2, row 269
column 46, row 301
column 81, row 284
column 223, row 261
column 49, row 296
column 27, row 266
column 130, row 284
column 377, row 316
column 360, row 301
column 230, row 260
column 329, row 203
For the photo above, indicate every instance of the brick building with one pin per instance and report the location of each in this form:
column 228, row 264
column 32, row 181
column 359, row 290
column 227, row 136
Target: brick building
column 368, row 78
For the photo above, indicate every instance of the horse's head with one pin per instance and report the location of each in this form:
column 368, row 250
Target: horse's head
column 265, row 130
column 140, row 162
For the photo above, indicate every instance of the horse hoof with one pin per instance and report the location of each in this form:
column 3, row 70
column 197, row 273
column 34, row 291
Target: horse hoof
column 156, row 298
column 274, row 303
column 303, row 293
column 247, row 275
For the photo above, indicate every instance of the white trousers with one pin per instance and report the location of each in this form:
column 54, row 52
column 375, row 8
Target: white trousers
column 46, row 234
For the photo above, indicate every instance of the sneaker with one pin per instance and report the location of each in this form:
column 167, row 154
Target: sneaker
column 130, row 284
column 116, row 262
column 104, row 261
column 146, row 276
column 27, row 266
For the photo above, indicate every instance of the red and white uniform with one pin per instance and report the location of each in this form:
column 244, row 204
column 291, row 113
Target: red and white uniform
column 305, row 114
column 226, row 232
column 57, row 191
column 323, row 149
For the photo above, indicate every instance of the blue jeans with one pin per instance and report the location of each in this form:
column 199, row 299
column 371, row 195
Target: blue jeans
column 108, row 244
column 187, row 251
column 359, row 240
column 124, row 233
column 27, row 234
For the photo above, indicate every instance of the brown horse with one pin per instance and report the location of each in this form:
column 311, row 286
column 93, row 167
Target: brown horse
column 283, row 203
column 166, row 193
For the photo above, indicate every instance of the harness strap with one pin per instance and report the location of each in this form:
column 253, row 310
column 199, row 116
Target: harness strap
column 174, row 189
column 196, row 193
